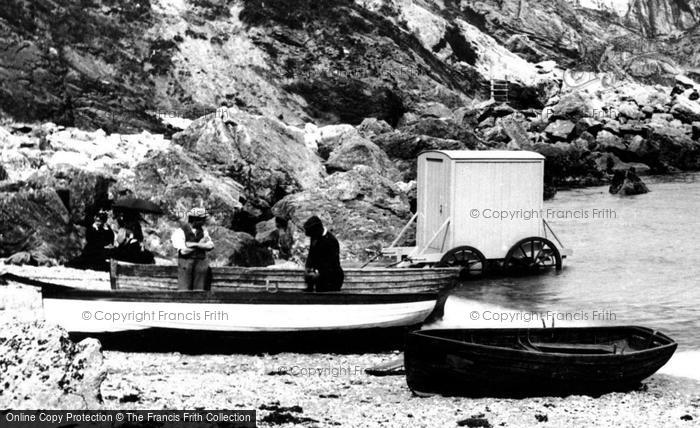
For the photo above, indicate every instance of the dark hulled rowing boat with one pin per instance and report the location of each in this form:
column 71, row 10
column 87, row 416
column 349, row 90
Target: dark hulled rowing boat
column 526, row 362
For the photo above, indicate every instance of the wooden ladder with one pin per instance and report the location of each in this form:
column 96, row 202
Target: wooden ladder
column 499, row 90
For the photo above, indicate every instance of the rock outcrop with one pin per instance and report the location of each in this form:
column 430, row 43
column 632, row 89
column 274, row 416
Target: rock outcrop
column 79, row 65
column 588, row 134
column 133, row 67
column 360, row 151
column 176, row 181
column 126, row 68
column 297, row 108
column 362, row 208
column 36, row 221
column 270, row 159
column 403, row 148
column 80, row 190
column 43, row 369
column 627, row 183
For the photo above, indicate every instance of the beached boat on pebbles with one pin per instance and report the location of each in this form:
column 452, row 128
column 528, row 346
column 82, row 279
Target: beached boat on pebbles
column 82, row 310
column 532, row 362
column 97, row 311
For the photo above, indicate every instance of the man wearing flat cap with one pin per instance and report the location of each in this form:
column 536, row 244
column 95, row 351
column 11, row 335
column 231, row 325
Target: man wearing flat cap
column 323, row 271
column 192, row 242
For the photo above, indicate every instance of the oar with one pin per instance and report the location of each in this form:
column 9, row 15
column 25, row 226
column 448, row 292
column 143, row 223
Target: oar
column 376, row 256
column 390, row 368
column 26, row 281
column 387, row 266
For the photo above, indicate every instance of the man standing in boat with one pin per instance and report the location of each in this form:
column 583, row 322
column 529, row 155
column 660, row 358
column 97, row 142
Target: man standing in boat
column 192, row 242
column 323, row 271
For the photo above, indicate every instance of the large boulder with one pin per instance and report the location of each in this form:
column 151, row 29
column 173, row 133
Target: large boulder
column 403, row 148
column 496, row 134
column 431, row 109
column 43, row 368
column 572, row 106
column 373, row 126
column 176, row 181
column 627, row 183
column 36, row 221
column 330, row 137
column 230, row 247
column 560, row 130
column 270, row 159
column 362, row 208
column 82, row 191
column 445, row 128
column 241, row 249
column 588, row 124
column 630, row 110
column 609, row 164
column 669, row 146
column 566, row 164
column 612, row 125
column 608, row 141
column 360, row 151
column 686, row 110
column 19, row 161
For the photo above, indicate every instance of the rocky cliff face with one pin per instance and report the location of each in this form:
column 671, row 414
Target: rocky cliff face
column 125, row 67
column 650, row 17
column 101, row 64
column 44, row 369
column 297, row 107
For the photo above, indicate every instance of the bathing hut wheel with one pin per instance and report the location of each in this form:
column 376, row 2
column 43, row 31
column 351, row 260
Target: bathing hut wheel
column 532, row 255
column 471, row 260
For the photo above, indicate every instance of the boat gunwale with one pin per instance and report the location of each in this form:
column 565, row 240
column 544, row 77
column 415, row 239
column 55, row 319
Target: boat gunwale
column 672, row 343
column 267, row 269
column 60, row 292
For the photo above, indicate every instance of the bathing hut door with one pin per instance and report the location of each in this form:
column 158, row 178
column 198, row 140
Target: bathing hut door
column 436, row 201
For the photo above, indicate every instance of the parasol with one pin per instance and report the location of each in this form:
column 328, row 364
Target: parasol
column 137, row 204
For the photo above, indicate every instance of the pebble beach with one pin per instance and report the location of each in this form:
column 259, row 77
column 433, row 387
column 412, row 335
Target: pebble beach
column 320, row 390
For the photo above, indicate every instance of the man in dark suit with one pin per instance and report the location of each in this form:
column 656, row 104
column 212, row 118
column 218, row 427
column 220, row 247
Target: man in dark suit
column 323, row 271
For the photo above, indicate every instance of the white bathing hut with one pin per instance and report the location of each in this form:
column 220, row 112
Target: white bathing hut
column 476, row 206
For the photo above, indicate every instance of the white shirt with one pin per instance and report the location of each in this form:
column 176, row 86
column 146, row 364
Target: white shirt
column 179, row 243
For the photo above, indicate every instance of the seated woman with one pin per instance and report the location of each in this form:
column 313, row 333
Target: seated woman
column 99, row 237
column 131, row 249
column 127, row 220
column 128, row 240
column 280, row 240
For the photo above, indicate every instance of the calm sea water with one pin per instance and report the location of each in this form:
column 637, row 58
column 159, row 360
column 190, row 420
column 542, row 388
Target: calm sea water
column 635, row 261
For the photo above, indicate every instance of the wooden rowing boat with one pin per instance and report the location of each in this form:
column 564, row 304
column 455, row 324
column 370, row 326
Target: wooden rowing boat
column 369, row 280
column 524, row 362
column 104, row 311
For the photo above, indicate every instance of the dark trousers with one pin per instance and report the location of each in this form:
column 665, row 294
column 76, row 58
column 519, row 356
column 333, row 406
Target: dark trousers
column 325, row 281
column 192, row 274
